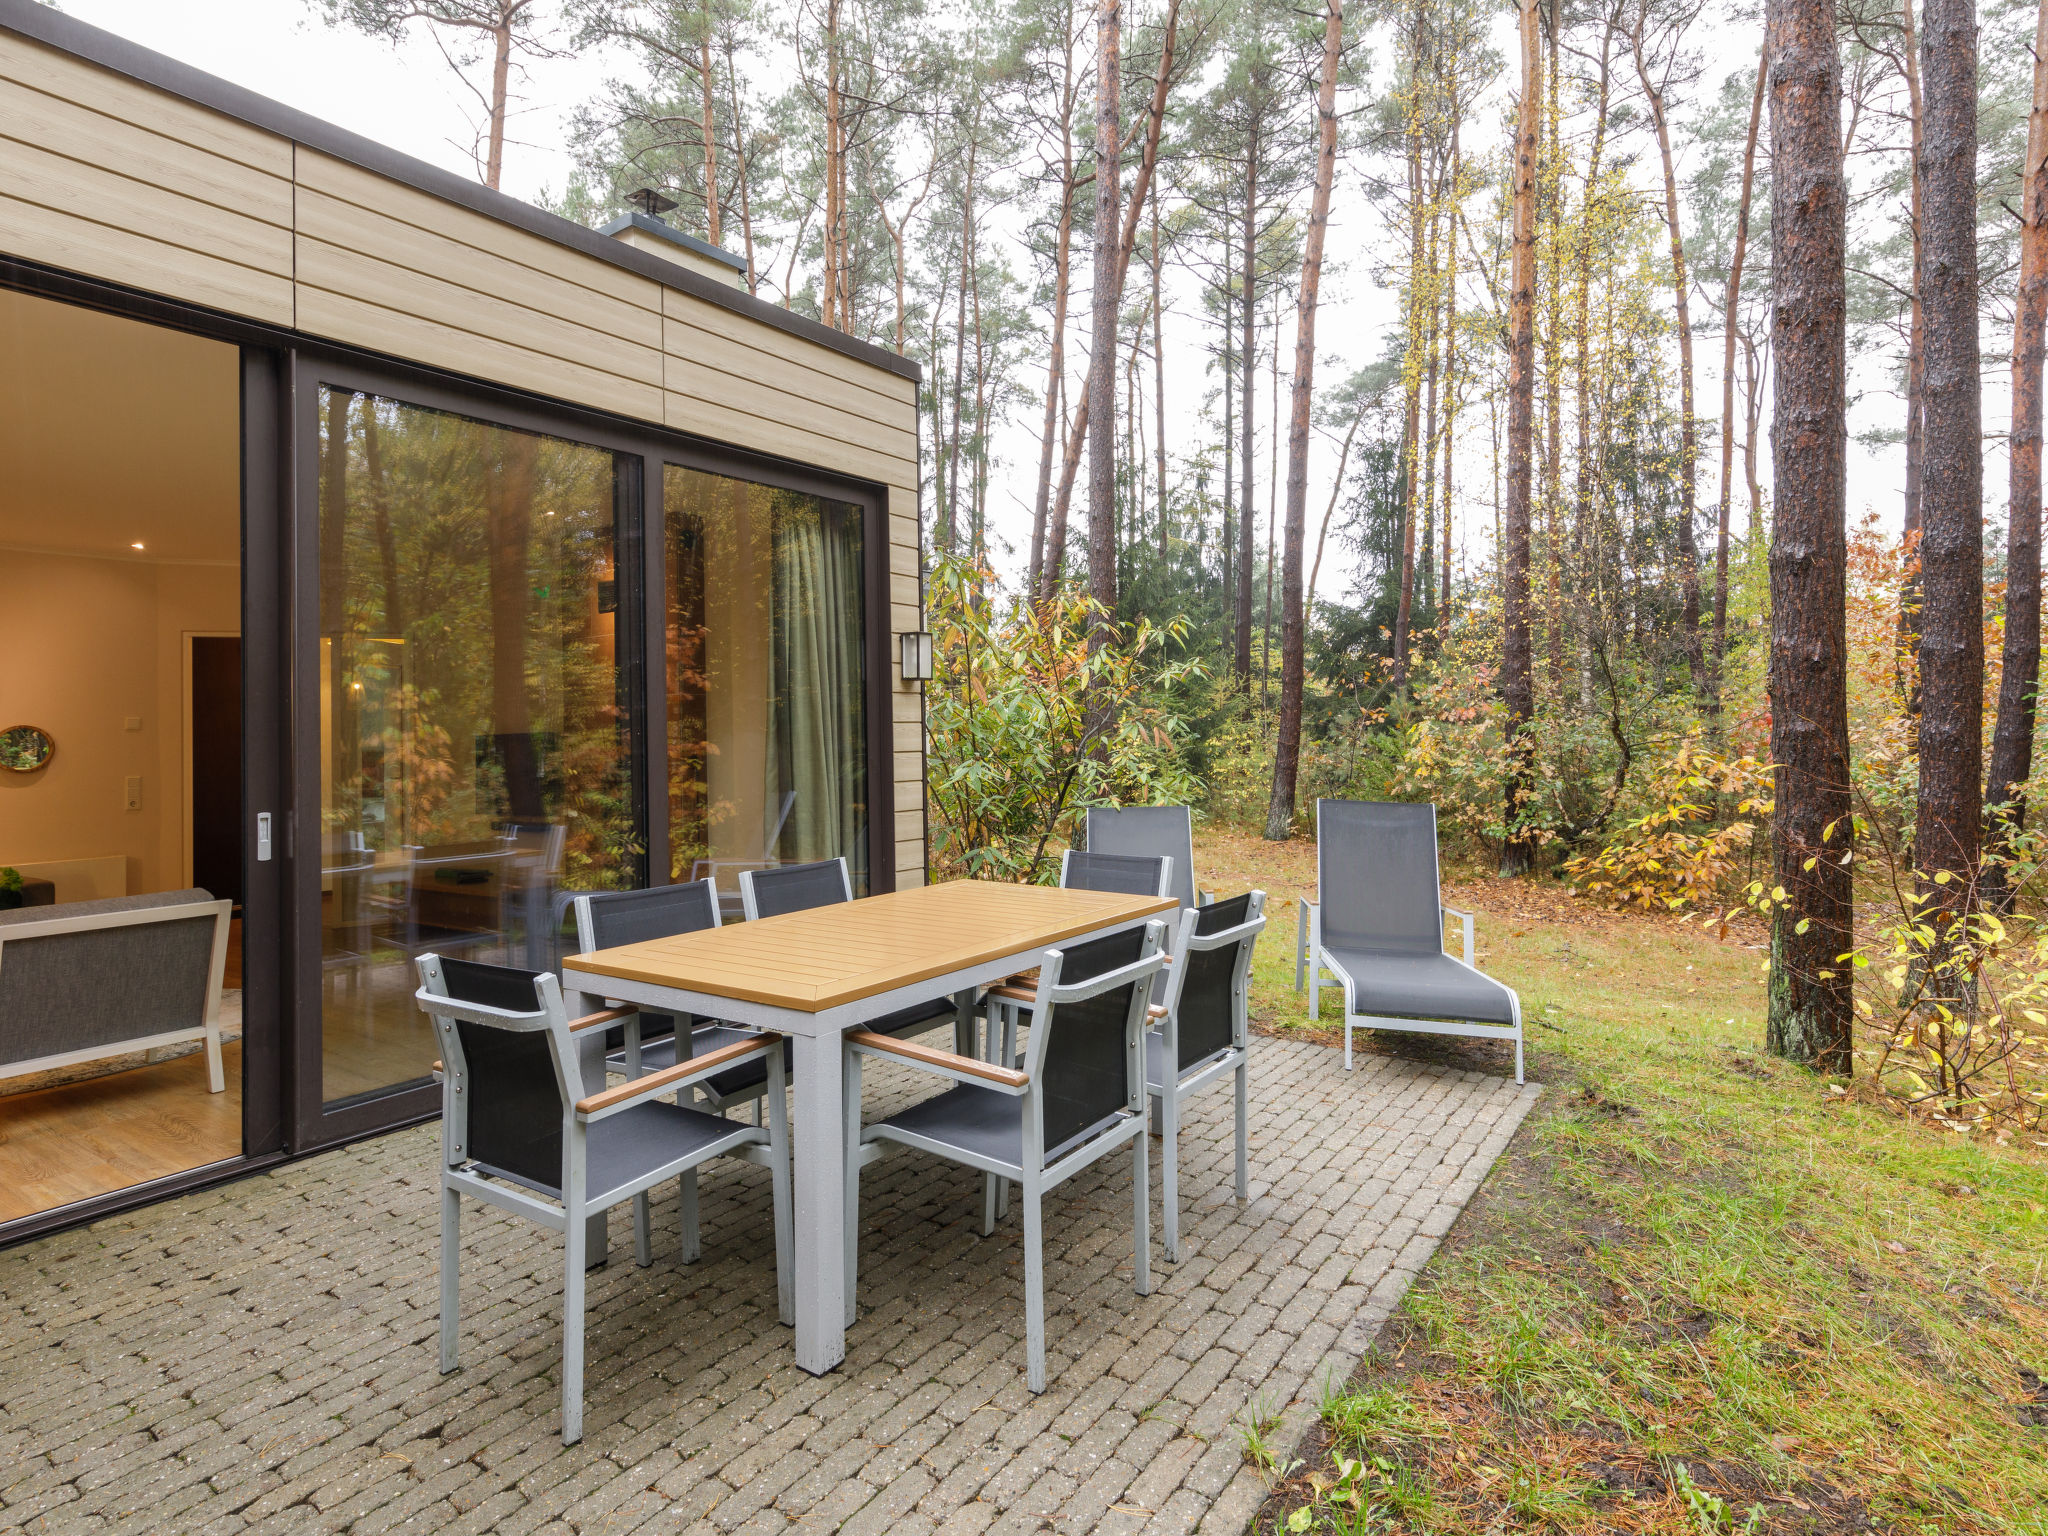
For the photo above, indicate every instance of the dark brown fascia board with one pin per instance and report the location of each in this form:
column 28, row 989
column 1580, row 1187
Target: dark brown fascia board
column 108, row 51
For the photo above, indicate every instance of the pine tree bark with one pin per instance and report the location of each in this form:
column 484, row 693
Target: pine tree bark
column 1688, row 421
column 1102, row 347
column 1518, row 689
column 704, row 81
column 1287, row 755
column 1730, row 310
column 2012, row 743
column 1062, row 279
column 1247, row 361
column 1158, row 379
column 1949, row 827
column 1810, row 1000
column 1916, row 381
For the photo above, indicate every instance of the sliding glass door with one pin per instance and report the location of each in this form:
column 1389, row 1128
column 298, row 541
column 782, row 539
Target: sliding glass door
column 767, row 708
column 474, row 750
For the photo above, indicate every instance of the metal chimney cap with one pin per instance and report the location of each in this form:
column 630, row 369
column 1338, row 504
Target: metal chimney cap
column 651, row 201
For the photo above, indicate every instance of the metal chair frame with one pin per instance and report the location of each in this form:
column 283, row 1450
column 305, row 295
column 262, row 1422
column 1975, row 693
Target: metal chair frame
column 1033, row 1173
column 1191, row 1080
column 569, row 1214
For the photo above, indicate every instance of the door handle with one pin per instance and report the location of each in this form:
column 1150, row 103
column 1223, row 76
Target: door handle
column 262, row 837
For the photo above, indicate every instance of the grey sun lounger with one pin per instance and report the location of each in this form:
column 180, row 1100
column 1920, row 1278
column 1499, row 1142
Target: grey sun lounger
column 1376, row 930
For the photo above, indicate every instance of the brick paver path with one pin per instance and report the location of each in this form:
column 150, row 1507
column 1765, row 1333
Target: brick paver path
column 261, row 1357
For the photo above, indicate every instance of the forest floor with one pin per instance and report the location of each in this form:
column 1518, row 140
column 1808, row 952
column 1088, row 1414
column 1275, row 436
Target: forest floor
column 1704, row 1291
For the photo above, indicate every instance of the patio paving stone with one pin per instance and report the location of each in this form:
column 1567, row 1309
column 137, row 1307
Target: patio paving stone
column 261, row 1357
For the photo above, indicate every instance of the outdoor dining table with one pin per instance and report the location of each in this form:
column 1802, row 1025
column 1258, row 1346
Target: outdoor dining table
column 815, row 974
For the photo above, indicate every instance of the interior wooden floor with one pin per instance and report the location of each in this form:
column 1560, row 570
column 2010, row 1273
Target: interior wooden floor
column 60, row 1145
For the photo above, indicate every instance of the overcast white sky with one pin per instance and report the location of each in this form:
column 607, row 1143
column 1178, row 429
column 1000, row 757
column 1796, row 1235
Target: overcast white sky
column 407, row 98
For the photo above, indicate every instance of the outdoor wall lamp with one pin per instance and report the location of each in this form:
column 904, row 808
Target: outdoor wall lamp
column 917, row 656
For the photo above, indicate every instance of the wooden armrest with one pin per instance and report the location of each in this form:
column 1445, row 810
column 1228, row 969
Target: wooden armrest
column 438, row 1067
column 669, row 1077
column 603, row 1016
column 1155, row 1011
column 932, row 1057
column 1016, row 994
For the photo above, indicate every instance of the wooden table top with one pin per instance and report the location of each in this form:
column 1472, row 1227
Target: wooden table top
column 814, row 960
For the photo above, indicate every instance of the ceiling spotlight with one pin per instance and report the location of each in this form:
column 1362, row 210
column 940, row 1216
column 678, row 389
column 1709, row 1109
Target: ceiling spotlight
column 136, row 545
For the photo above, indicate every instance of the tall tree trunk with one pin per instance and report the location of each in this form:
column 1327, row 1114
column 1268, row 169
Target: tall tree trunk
column 1247, row 361
column 949, row 527
column 1158, row 381
column 834, row 152
column 1287, row 754
column 501, row 83
column 1450, row 352
column 1518, row 683
column 1810, row 1016
column 1916, row 392
column 1550, row 192
column 1950, row 822
column 1272, row 514
column 743, row 162
column 1148, row 161
column 1688, row 425
column 1411, row 362
column 1102, row 331
column 1229, row 447
column 710, row 134
column 1730, row 311
column 1056, row 363
column 2012, row 745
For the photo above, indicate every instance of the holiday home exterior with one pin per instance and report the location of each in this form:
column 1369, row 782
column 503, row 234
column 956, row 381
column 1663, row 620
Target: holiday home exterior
column 382, row 558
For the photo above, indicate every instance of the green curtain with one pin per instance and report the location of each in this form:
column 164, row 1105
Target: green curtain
column 819, row 719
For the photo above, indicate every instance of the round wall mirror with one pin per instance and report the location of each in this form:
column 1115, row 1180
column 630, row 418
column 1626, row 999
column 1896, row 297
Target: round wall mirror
column 25, row 748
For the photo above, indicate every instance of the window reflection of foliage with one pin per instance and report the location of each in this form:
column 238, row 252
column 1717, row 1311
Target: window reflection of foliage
column 415, row 546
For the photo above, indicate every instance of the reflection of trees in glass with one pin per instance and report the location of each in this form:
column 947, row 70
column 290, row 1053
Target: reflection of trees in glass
column 765, row 705
column 461, row 570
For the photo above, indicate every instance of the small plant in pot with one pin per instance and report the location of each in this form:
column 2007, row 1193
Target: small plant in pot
column 10, row 887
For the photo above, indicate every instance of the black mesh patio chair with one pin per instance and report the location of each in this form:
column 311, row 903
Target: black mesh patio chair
column 1150, row 831
column 1377, row 930
column 800, row 887
column 646, row 1042
column 518, row 1133
column 1079, row 1096
column 1204, row 1035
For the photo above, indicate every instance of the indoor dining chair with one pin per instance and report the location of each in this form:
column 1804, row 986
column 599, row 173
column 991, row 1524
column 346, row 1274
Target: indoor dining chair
column 518, row 1132
column 1079, row 1096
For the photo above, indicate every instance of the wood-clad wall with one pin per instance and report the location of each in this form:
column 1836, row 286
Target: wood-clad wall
column 108, row 177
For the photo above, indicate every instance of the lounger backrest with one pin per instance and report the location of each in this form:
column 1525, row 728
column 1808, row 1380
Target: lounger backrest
column 1125, row 874
column 607, row 919
column 1154, row 830
column 1084, row 1069
column 795, row 887
column 1376, row 876
column 1211, row 984
column 514, row 1095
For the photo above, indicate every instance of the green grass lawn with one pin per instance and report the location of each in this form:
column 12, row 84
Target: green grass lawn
column 1704, row 1291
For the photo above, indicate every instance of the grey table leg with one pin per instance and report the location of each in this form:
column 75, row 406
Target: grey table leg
column 820, row 1136
column 590, row 1057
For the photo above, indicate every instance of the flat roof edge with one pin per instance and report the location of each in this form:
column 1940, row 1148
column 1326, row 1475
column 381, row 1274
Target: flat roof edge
column 110, row 51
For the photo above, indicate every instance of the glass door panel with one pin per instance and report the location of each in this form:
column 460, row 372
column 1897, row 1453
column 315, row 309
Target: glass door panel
column 767, row 717
column 475, row 760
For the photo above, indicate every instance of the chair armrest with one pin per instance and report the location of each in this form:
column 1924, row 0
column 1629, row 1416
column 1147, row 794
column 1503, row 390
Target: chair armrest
column 944, row 1063
column 603, row 1016
column 668, row 1078
column 1015, row 994
column 1466, row 919
column 1304, row 922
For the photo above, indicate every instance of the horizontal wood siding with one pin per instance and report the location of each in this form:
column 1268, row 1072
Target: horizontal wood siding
column 105, row 176
column 102, row 176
